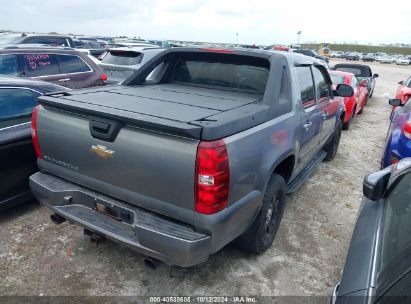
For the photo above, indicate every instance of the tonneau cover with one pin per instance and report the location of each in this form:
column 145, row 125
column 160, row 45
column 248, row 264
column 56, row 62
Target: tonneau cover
column 178, row 109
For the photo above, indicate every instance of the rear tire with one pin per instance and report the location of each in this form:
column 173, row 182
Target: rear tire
column 259, row 237
column 362, row 109
column 346, row 125
column 332, row 147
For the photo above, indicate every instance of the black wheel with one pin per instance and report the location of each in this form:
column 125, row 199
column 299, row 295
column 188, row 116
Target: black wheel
column 332, row 147
column 259, row 237
column 372, row 92
column 347, row 125
column 361, row 110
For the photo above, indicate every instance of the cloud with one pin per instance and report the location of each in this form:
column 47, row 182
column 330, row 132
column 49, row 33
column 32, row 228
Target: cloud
column 185, row 6
column 259, row 21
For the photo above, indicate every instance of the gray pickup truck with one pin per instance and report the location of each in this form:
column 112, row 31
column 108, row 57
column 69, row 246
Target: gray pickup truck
column 196, row 149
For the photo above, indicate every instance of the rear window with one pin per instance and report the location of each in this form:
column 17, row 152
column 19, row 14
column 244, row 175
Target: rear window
column 122, row 58
column 230, row 75
column 337, row 79
column 71, row 64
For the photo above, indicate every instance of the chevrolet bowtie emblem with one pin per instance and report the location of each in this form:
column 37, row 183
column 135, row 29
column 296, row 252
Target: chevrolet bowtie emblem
column 102, row 151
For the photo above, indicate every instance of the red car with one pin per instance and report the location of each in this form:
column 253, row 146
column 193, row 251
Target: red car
column 404, row 90
column 280, row 48
column 354, row 104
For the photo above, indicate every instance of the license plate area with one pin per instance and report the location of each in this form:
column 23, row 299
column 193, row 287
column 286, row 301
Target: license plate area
column 115, row 212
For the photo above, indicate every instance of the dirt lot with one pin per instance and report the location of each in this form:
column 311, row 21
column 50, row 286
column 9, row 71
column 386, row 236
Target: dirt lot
column 39, row 258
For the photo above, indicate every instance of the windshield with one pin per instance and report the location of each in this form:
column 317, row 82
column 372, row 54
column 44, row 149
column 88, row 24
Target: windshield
column 122, row 58
column 337, row 79
column 357, row 71
column 9, row 39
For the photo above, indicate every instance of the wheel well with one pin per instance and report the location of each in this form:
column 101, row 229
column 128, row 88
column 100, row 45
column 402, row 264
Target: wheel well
column 285, row 168
column 342, row 116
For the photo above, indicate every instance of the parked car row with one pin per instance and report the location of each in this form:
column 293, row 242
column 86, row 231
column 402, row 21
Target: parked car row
column 378, row 264
column 371, row 57
column 94, row 46
column 398, row 142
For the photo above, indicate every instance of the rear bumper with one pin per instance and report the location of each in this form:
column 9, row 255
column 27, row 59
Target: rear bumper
column 146, row 232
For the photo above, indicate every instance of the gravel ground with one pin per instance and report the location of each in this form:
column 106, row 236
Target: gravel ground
column 39, row 258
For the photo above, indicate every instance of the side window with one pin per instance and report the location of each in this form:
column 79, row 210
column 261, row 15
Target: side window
column 305, row 81
column 321, row 85
column 16, row 106
column 398, row 292
column 40, row 65
column 71, row 64
column 156, row 73
column 397, row 221
column 8, row 64
column 408, row 82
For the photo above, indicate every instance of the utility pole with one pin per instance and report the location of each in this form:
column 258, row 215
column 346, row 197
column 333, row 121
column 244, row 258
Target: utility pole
column 298, row 34
column 237, row 38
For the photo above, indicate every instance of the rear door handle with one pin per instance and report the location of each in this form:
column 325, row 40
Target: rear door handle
column 307, row 125
column 64, row 79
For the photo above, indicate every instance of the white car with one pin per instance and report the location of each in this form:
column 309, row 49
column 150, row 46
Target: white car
column 385, row 59
column 403, row 61
column 120, row 63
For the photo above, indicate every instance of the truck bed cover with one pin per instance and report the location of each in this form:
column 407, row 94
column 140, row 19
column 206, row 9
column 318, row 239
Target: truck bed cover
column 171, row 108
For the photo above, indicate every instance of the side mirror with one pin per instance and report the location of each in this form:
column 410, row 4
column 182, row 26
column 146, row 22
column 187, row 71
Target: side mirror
column 364, row 83
column 374, row 184
column 395, row 102
column 401, row 82
column 344, row 90
column 375, row 76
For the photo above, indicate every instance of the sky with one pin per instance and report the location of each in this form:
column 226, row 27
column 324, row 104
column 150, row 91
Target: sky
column 256, row 22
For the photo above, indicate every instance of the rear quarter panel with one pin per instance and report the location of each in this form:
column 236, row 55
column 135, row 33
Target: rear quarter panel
column 253, row 156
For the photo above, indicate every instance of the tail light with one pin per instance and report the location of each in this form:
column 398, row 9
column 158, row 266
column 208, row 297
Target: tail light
column 212, row 177
column 103, row 77
column 406, row 130
column 34, row 134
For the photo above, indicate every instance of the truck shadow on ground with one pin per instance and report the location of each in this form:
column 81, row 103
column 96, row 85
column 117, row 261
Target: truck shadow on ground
column 12, row 213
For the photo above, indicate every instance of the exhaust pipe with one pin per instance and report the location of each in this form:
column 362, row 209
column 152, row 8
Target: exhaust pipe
column 57, row 219
column 94, row 237
column 152, row 263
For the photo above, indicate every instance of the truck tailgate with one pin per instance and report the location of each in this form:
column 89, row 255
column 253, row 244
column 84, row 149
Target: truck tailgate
column 141, row 164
